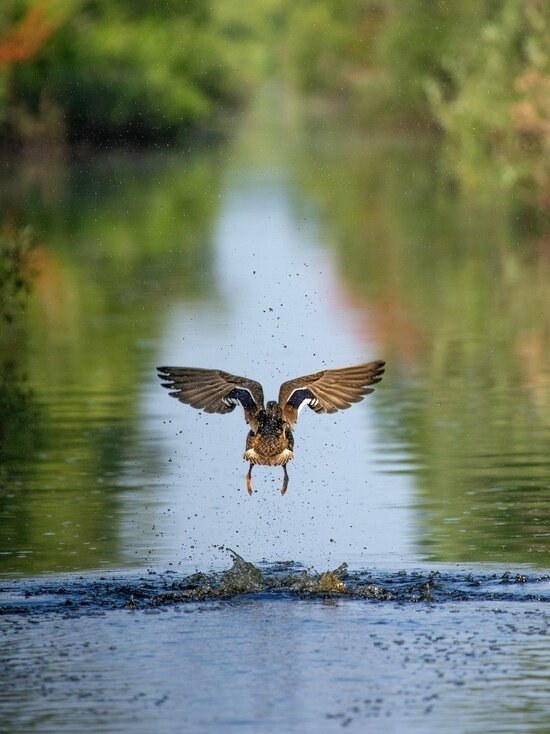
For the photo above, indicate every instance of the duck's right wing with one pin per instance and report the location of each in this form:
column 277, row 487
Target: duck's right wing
column 214, row 391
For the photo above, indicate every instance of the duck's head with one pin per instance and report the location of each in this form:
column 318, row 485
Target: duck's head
column 272, row 408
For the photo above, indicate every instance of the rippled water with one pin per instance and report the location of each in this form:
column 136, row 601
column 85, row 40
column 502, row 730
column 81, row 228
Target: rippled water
column 288, row 249
column 278, row 649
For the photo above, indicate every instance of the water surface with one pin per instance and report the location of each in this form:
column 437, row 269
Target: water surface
column 277, row 649
column 274, row 257
column 290, row 248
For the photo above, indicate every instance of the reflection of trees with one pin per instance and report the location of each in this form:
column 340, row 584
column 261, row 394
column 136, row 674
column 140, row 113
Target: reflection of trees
column 460, row 299
column 21, row 436
column 119, row 241
column 14, row 278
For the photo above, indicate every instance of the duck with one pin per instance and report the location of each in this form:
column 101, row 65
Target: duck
column 270, row 440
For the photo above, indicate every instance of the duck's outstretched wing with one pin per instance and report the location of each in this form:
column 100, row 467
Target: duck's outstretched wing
column 214, row 391
column 329, row 390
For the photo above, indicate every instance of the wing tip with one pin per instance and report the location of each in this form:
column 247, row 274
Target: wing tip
column 165, row 372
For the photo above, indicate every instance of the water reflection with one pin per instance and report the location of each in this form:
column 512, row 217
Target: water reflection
column 215, row 260
column 121, row 236
column 20, row 432
column 459, row 300
column 279, row 318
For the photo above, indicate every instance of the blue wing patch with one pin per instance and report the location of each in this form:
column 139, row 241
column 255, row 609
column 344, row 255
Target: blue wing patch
column 244, row 398
column 298, row 397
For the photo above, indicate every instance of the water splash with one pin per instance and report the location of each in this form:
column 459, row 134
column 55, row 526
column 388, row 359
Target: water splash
column 91, row 594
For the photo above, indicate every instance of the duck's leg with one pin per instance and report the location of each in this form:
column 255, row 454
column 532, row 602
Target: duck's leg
column 249, row 480
column 285, row 480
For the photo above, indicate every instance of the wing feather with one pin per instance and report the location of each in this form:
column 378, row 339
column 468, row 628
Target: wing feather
column 329, row 390
column 214, row 391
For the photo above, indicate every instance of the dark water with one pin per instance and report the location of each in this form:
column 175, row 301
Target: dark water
column 290, row 248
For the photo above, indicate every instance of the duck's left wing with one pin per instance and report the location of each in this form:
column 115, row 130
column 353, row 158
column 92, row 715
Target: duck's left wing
column 214, row 391
column 329, row 390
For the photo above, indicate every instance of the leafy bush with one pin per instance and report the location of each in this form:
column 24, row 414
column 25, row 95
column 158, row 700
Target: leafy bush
column 478, row 69
column 123, row 69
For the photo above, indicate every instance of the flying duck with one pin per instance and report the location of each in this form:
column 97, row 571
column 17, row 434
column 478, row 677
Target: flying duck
column 270, row 441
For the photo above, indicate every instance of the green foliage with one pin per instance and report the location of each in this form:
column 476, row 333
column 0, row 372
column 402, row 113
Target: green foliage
column 478, row 69
column 316, row 35
column 128, row 70
column 498, row 119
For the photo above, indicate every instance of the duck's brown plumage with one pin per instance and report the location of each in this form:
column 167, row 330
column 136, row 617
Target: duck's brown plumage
column 270, row 441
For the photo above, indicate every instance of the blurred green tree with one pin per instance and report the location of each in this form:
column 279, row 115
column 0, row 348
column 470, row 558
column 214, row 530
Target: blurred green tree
column 94, row 69
column 479, row 70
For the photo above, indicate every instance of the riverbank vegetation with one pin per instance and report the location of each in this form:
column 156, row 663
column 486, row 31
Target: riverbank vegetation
column 128, row 71
column 477, row 71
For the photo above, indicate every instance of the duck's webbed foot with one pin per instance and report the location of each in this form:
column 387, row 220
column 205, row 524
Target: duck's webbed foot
column 285, row 480
column 249, row 480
